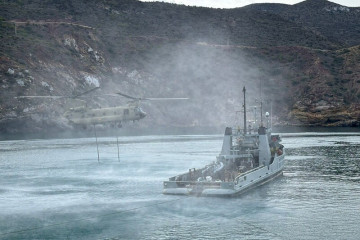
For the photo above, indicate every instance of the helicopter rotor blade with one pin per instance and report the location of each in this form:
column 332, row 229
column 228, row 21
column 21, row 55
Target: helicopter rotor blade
column 59, row 97
column 86, row 92
column 128, row 96
column 54, row 97
column 148, row 99
column 109, row 94
column 161, row 99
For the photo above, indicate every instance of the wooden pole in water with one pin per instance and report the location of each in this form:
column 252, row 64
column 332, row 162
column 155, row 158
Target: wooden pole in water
column 117, row 142
column 97, row 147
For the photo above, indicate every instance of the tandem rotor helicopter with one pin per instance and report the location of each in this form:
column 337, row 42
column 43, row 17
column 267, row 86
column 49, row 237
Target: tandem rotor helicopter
column 84, row 115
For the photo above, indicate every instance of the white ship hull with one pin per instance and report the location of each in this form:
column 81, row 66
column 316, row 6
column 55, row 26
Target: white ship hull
column 249, row 157
column 241, row 184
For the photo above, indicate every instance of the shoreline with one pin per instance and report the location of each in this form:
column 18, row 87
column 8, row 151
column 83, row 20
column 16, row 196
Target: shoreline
column 131, row 131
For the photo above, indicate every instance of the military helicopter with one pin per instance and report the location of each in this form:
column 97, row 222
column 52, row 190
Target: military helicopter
column 119, row 114
column 85, row 115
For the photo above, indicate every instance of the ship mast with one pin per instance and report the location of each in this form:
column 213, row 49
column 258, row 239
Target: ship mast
column 261, row 105
column 261, row 114
column 244, row 90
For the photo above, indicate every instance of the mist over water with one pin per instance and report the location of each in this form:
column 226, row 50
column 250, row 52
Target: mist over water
column 210, row 72
column 57, row 189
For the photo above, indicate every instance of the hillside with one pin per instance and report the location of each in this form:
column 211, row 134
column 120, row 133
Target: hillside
column 305, row 67
column 339, row 24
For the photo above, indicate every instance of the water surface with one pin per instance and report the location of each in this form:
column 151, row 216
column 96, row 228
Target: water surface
column 57, row 189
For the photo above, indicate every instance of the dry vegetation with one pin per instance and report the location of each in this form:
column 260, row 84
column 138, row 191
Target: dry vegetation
column 308, row 67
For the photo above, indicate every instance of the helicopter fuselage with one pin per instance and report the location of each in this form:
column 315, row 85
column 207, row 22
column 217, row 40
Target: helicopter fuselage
column 84, row 115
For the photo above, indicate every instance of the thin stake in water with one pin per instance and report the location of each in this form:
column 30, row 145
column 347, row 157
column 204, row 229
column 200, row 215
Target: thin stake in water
column 117, row 142
column 97, row 146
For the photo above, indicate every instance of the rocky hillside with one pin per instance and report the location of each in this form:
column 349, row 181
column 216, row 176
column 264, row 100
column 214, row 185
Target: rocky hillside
column 304, row 58
column 337, row 23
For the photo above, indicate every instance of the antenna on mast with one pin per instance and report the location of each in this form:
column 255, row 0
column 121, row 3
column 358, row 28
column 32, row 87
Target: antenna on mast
column 244, row 90
column 261, row 114
column 271, row 114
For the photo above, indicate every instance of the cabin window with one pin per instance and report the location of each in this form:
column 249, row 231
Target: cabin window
column 126, row 111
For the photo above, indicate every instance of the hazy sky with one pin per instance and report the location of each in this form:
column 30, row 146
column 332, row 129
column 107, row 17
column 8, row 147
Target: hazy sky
column 241, row 3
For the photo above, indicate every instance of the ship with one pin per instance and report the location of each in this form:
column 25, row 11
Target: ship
column 249, row 158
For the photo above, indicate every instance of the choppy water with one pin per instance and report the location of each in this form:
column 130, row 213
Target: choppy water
column 56, row 189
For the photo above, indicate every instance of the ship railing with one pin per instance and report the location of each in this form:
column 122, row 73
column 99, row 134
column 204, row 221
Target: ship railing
column 237, row 131
column 185, row 184
column 240, row 132
column 247, row 172
column 237, row 153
